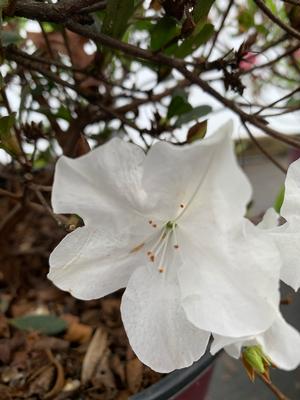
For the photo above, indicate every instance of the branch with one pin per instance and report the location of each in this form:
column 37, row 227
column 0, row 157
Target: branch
column 276, row 20
column 59, row 12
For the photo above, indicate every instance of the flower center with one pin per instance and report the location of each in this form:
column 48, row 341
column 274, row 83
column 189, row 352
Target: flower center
column 158, row 252
column 158, row 245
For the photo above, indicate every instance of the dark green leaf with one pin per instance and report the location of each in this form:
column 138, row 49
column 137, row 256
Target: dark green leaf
column 8, row 38
column 165, row 30
column 193, row 115
column 192, row 43
column 6, row 123
column 179, row 105
column 47, row 324
column 116, row 18
column 201, row 9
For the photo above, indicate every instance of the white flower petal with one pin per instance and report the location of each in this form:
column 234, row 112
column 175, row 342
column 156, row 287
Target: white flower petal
column 282, row 344
column 291, row 204
column 232, row 346
column 270, row 220
column 287, row 239
column 225, row 191
column 90, row 263
column 156, row 325
column 229, row 282
column 100, row 185
column 176, row 174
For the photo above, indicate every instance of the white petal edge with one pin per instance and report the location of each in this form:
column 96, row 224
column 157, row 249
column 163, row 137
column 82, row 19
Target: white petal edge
column 100, row 185
column 155, row 323
column 90, row 264
column 281, row 342
column 229, row 283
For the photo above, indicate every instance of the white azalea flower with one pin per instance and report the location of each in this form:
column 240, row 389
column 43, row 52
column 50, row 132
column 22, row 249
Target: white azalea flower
column 168, row 226
column 287, row 236
column 280, row 343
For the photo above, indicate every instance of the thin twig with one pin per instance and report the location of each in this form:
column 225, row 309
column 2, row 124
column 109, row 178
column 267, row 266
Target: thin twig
column 274, row 389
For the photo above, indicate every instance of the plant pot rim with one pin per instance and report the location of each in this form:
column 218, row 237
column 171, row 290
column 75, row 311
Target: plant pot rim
column 176, row 381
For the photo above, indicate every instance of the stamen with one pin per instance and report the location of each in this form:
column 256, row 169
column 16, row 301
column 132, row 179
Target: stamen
column 137, row 248
column 182, row 205
column 176, row 245
column 152, row 258
column 154, row 226
column 150, row 222
column 163, row 255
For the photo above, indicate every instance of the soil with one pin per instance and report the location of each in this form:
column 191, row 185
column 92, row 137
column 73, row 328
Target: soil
column 91, row 358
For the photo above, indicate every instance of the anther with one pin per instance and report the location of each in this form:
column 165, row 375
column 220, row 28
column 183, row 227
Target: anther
column 176, row 246
column 154, row 226
column 182, row 205
column 161, row 269
column 152, row 258
column 150, row 222
column 149, row 253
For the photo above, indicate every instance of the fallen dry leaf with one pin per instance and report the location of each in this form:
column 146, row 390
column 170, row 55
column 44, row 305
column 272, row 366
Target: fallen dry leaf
column 117, row 367
column 134, row 375
column 50, row 342
column 94, row 353
column 60, row 377
column 78, row 332
column 41, row 382
column 123, row 395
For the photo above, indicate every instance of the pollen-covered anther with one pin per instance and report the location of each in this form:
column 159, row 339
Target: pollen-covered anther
column 150, row 222
column 154, row 226
column 176, row 246
column 161, row 269
column 152, row 258
column 181, row 205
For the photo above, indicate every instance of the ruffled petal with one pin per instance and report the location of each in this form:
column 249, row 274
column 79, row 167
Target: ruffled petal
column 204, row 175
column 156, row 325
column 229, row 282
column 291, row 203
column 281, row 343
column 102, row 186
column 90, row 263
column 270, row 220
column 287, row 239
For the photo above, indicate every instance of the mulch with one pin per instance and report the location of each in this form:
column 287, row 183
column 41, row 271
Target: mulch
column 91, row 358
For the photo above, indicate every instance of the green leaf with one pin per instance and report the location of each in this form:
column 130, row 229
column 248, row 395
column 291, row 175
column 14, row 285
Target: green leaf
column 197, row 132
column 117, row 16
column 6, row 123
column 3, row 4
column 193, row 115
column 47, row 324
column 8, row 38
column 201, row 9
column 163, row 32
column 179, row 105
column 192, row 43
column 272, row 6
column 8, row 140
column 279, row 199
